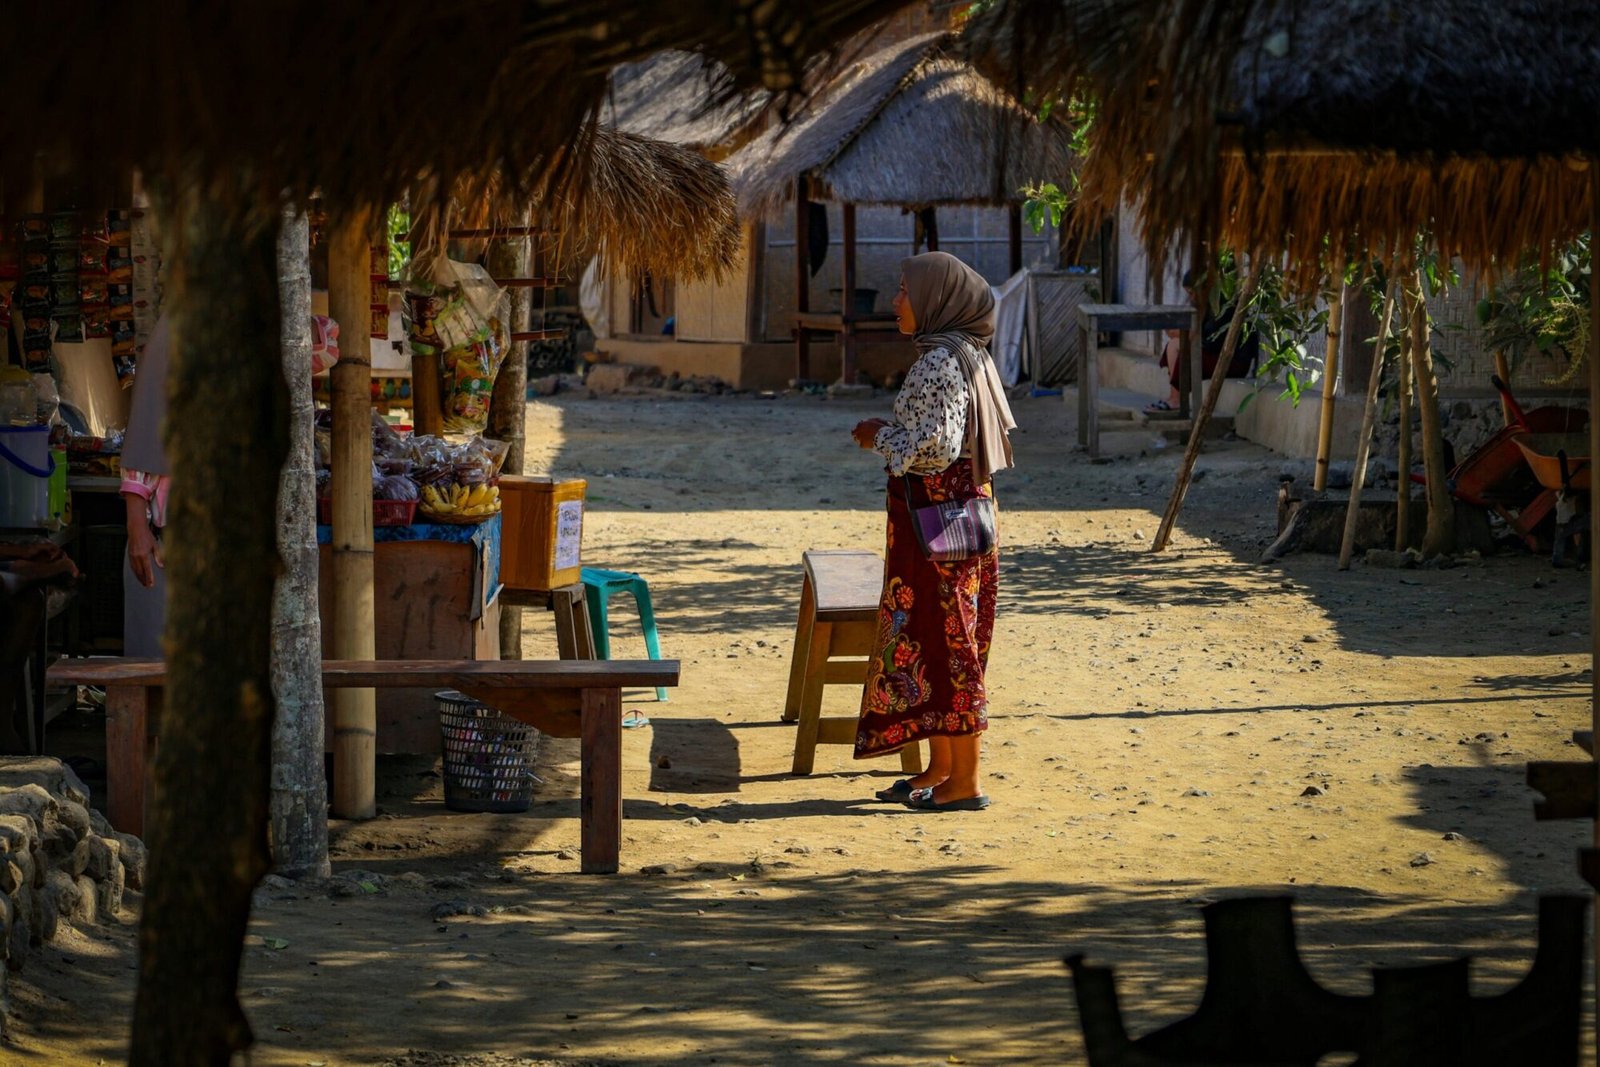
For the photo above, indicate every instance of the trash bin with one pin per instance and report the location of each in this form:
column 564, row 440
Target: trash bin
column 488, row 757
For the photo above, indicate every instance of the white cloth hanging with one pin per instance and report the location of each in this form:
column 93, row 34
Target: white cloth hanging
column 1010, row 315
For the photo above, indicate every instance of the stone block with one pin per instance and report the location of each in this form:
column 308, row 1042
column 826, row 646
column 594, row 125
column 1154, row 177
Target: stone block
column 133, row 859
column 103, row 857
column 17, row 833
column 11, row 877
column 87, row 910
column 109, row 894
column 609, row 378
column 48, row 773
column 34, row 802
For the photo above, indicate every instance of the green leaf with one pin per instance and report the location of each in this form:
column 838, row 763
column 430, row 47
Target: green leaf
column 276, row 943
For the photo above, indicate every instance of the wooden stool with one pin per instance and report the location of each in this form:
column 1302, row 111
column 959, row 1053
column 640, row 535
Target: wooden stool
column 574, row 636
column 837, row 629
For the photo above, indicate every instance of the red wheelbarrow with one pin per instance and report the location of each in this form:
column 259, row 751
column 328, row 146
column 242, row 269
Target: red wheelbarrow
column 1501, row 474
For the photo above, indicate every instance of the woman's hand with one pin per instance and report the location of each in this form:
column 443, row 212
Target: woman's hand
column 144, row 551
column 866, row 431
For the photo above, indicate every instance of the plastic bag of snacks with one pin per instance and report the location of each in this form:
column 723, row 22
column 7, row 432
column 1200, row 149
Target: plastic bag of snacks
column 456, row 311
column 456, row 480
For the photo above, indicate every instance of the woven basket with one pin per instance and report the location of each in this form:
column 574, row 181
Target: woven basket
column 488, row 757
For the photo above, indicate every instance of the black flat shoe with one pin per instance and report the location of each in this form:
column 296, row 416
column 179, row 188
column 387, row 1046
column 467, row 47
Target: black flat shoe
column 899, row 792
column 922, row 800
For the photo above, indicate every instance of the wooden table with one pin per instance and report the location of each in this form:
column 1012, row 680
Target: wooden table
column 563, row 698
column 1113, row 318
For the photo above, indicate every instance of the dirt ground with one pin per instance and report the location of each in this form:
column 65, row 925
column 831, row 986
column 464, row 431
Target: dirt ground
column 1156, row 723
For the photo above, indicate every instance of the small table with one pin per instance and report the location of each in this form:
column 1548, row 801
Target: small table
column 1093, row 318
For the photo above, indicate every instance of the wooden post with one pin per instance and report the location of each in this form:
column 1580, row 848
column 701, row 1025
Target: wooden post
column 511, row 257
column 1440, row 536
column 930, row 227
column 600, row 788
column 1415, row 310
column 802, row 279
column 1594, row 513
column 1369, row 415
column 1191, row 452
column 1330, row 380
column 1014, row 242
column 847, row 274
column 355, row 714
column 427, row 392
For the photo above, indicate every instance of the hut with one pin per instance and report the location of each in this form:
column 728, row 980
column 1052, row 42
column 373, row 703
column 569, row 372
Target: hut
column 1271, row 124
column 194, row 96
column 904, row 147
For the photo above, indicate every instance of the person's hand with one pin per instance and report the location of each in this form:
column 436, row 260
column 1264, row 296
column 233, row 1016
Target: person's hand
column 144, row 551
column 866, row 431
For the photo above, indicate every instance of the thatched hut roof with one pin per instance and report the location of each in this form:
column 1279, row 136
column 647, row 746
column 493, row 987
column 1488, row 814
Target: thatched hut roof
column 682, row 98
column 1271, row 123
column 639, row 205
column 255, row 101
column 909, row 124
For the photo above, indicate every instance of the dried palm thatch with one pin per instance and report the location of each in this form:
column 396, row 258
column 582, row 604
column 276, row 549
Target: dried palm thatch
column 909, row 124
column 638, row 205
column 1270, row 124
column 356, row 101
column 682, row 98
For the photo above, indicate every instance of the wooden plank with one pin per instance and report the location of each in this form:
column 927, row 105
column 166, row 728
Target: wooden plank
column 805, row 738
column 600, row 805
column 848, row 583
column 1125, row 317
column 846, row 671
column 837, row 730
column 400, row 674
column 539, row 335
column 855, row 637
column 501, row 674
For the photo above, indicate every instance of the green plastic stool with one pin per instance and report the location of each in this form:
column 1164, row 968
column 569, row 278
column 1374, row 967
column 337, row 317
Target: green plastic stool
column 599, row 585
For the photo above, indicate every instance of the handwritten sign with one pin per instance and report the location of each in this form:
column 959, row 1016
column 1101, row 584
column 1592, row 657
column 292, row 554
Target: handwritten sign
column 569, row 534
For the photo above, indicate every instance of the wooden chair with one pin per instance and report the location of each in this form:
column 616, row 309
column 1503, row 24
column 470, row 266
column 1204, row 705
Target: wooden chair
column 835, row 634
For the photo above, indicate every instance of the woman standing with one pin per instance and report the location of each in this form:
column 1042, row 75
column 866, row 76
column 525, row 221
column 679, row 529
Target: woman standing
column 935, row 619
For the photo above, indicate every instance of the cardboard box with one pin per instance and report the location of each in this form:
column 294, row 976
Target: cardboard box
column 541, row 532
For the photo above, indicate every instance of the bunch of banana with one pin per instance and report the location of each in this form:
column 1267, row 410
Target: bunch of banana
column 461, row 501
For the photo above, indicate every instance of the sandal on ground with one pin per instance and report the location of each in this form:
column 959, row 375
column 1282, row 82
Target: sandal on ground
column 898, row 792
column 1157, row 407
column 633, row 720
column 922, row 800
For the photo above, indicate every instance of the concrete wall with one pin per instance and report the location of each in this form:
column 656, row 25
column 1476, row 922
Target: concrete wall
column 709, row 310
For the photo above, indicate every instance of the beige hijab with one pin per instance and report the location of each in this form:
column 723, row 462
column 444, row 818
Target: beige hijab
column 954, row 309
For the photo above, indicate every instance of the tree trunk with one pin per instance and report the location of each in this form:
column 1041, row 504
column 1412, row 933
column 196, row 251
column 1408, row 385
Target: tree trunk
column 227, row 435
column 508, row 410
column 1440, row 536
column 1369, row 415
column 299, row 787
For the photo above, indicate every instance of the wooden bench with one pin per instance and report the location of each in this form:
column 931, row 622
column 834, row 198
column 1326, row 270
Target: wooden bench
column 563, row 698
column 1094, row 319
column 836, row 632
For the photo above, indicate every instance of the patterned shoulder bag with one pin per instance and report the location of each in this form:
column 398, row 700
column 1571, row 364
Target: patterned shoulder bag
column 950, row 530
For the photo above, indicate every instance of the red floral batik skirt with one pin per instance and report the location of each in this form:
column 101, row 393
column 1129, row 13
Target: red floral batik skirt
column 934, row 624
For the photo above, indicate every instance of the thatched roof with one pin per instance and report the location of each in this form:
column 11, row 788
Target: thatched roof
column 909, row 124
column 1270, row 123
column 253, row 101
column 639, row 205
column 682, row 98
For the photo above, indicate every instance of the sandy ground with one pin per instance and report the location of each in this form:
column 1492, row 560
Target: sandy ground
column 1156, row 722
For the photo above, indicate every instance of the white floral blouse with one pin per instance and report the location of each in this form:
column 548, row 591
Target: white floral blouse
column 929, row 430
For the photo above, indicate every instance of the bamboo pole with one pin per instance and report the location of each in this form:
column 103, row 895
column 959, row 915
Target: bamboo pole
column 1402, row 518
column 1191, row 453
column 512, row 256
column 1369, row 414
column 355, row 714
column 1330, row 378
column 1440, row 535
